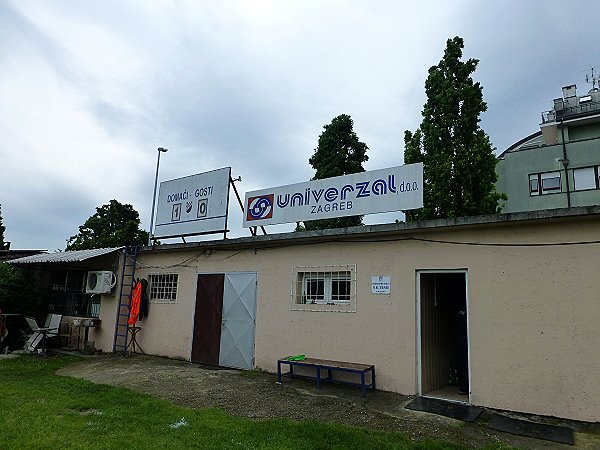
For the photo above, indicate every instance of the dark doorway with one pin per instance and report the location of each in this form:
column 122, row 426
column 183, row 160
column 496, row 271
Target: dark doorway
column 207, row 321
column 444, row 335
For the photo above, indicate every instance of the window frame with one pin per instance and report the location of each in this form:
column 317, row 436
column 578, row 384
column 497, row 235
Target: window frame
column 172, row 284
column 69, row 298
column 327, row 278
column 539, row 178
column 536, row 179
column 596, row 178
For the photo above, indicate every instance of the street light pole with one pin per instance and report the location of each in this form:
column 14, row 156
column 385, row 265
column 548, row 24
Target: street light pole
column 150, row 233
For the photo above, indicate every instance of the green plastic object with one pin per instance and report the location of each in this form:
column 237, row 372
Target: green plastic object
column 296, row 358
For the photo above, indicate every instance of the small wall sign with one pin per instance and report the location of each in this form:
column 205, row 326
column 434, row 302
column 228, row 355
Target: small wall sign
column 381, row 285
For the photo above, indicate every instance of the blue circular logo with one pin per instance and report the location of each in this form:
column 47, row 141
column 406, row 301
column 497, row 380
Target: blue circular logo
column 260, row 207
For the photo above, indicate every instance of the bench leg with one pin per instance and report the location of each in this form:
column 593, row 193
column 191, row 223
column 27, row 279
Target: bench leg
column 373, row 377
column 362, row 385
column 318, row 378
column 278, row 372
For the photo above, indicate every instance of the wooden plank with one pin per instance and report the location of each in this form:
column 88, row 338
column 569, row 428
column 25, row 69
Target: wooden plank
column 339, row 364
column 331, row 363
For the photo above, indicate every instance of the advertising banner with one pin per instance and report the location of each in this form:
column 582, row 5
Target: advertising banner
column 385, row 190
column 196, row 204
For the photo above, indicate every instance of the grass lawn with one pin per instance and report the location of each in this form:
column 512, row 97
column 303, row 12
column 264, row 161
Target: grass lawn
column 41, row 410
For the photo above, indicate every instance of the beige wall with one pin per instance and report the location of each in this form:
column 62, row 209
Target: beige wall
column 534, row 312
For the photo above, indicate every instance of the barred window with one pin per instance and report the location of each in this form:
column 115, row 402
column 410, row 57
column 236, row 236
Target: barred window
column 324, row 288
column 163, row 287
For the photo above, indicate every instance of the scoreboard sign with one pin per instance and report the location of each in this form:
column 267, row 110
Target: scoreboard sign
column 196, row 204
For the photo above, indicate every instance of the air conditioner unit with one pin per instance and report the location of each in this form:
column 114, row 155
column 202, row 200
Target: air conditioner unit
column 100, row 282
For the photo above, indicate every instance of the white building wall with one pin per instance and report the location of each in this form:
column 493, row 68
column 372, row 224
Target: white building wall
column 534, row 310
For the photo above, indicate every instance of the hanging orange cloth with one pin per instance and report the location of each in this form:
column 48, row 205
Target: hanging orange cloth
column 136, row 298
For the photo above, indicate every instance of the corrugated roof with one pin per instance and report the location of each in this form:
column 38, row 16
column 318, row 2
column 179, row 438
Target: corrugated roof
column 63, row 257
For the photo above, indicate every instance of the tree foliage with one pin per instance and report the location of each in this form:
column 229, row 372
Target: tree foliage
column 113, row 225
column 339, row 152
column 19, row 294
column 458, row 159
column 2, row 230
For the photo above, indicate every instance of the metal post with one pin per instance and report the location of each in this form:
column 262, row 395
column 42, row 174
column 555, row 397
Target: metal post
column 150, row 233
column 565, row 162
column 232, row 182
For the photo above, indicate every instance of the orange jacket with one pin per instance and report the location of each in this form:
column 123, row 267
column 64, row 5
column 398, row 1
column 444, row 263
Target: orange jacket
column 136, row 298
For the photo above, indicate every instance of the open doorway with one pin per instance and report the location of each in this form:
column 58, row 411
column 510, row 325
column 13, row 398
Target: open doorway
column 443, row 335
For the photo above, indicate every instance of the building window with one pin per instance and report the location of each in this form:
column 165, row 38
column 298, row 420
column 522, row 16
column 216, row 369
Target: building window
column 163, row 287
column 586, row 178
column 324, row 288
column 544, row 183
column 534, row 184
column 68, row 296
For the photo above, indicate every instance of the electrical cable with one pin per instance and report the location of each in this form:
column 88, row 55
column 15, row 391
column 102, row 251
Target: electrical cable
column 484, row 244
column 207, row 252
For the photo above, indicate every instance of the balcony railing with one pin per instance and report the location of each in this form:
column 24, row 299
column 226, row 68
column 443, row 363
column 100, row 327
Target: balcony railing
column 583, row 109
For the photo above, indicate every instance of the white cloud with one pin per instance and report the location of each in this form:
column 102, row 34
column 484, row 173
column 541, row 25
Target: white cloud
column 90, row 89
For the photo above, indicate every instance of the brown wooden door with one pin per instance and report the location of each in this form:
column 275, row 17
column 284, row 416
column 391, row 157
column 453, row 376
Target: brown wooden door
column 207, row 321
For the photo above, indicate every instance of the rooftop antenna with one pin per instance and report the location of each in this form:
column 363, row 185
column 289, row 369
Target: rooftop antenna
column 591, row 77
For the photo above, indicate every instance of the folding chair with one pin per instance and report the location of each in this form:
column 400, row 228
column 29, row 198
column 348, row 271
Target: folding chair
column 53, row 322
column 36, row 336
column 40, row 335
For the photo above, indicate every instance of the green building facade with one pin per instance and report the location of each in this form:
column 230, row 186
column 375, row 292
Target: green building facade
column 558, row 166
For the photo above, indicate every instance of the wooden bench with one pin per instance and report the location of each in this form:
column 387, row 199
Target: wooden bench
column 330, row 366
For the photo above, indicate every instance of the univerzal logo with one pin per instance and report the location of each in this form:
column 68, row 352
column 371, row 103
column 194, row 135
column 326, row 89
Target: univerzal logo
column 260, row 207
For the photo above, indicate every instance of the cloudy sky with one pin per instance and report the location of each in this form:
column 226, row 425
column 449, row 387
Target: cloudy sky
column 90, row 89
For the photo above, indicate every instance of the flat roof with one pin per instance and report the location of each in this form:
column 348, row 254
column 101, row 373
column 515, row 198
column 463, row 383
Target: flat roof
column 374, row 231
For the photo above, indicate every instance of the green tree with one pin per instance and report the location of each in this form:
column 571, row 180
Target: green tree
column 19, row 294
column 339, row 152
column 458, row 160
column 113, row 225
column 2, row 230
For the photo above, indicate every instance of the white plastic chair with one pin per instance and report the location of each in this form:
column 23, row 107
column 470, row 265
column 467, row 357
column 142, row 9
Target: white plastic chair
column 36, row 336
column 51, row 330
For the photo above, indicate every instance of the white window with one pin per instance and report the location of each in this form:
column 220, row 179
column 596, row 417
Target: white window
column 550, row 182
column 324, row 288
column 585, row 178
column 163, row 287
column 544, row 183
column 534, row 184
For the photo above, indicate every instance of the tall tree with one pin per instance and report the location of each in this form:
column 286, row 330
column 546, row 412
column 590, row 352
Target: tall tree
column 339, row 152
column 113, row 225
column 2, row 230
column 458, row 159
